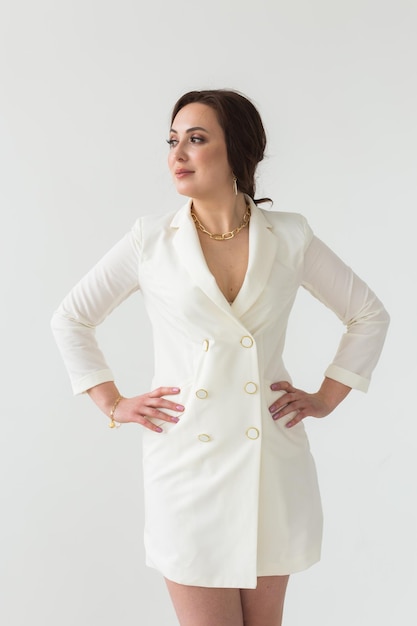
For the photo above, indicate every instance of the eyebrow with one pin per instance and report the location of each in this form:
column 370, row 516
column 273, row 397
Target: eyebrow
column 190, row 130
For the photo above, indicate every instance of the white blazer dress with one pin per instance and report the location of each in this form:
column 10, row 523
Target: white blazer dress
column 230, row 494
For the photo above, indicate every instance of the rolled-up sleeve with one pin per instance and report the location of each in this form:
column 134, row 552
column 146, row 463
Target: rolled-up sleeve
column 113, row 279
column 334, row 283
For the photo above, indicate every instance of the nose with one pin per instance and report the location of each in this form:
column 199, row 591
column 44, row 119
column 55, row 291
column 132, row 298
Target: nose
column 179, row 152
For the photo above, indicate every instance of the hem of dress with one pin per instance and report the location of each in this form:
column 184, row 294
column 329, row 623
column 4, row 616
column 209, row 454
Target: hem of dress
column 274, row 569
column 250, row 582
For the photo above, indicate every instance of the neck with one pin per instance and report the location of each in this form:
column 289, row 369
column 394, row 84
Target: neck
column 223, row 215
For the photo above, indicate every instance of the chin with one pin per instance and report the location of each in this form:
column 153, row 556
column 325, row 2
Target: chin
column 185, row 190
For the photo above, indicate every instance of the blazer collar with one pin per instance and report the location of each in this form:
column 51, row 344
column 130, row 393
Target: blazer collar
column 262, row 251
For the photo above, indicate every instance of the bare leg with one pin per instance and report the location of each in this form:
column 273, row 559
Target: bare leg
column 206, row 606
column 264, row 605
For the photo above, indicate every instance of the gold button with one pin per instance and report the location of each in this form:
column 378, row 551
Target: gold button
column 206, row 345
column 251, row 387
column 201, row 394
column 252, row 433
column 246, row 341
column 204, row 438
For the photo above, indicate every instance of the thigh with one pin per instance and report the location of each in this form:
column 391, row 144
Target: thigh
column 264, row 605
column 205, row 606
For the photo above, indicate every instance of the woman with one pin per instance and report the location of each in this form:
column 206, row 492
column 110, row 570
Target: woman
column 231, row 496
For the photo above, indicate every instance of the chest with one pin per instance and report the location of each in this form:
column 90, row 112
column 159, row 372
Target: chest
column 227, row 261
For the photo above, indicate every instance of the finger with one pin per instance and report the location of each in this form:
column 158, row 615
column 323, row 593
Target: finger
column 159, row 415
column 161, row 403
column 303, row 410
column 295, row 420
column 147, row 422
column 283, row 401
column 149, row 425
column 290, row 407
column 163, row 391
column 282, row 385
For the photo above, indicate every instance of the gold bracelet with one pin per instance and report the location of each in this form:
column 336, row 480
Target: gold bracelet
column 113, row 423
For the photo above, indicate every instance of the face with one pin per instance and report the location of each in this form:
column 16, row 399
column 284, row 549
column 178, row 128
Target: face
column 198, row 154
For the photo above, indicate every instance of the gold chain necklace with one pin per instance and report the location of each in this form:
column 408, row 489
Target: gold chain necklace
column 222, row 236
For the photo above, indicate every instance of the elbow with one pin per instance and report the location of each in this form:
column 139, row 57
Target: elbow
column 384, row 317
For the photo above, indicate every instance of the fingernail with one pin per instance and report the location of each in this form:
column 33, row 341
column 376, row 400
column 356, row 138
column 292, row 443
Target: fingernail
column 175, row 419
column 272, row 409
column 159, row 430
column 179, row 407
column 275, row 417
column 273, row 386
column 175, row 389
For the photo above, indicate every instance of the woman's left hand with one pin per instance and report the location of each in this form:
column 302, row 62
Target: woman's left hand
column 305, row 404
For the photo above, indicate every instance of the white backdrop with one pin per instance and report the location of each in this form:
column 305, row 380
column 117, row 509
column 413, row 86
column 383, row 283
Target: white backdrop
column 86, row 88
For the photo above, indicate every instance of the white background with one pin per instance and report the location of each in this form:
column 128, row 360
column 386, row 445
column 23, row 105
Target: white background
column 86, row 88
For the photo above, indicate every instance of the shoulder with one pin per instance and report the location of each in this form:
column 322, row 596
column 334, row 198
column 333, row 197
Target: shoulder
column 151, row 222
column 153, row 232
column 288, row 225
column 284, row 219
column 152, row 225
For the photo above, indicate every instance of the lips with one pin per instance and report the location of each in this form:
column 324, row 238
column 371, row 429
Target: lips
column 182, row 172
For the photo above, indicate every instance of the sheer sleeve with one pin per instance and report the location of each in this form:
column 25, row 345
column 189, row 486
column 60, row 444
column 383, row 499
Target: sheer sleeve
column 332, row 282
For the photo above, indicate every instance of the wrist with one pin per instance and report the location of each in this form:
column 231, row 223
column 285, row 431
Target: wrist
column 105, row 396
column 113, row 422
column 332, row 392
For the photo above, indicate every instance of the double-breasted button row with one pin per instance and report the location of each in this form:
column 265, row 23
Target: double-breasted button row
column 250, row 388
column 251, row 433
column 246, row 342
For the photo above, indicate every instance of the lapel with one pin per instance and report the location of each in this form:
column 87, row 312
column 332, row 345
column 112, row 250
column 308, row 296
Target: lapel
column 262, row 251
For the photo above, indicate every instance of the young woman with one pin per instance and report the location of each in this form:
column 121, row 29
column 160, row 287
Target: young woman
column 231, row 497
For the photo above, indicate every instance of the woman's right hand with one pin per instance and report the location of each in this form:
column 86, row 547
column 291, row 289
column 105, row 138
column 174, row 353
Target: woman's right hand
column 147, row 407
column 139, row 409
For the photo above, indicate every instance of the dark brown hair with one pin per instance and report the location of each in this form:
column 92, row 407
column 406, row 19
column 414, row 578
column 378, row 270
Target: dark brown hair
column 243, row 130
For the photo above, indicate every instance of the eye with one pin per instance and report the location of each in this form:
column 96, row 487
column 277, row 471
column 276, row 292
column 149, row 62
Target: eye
column 196, row 139
column 172, row 142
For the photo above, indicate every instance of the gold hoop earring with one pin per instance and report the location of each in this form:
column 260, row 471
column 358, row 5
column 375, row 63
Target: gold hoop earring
column 235, row 185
